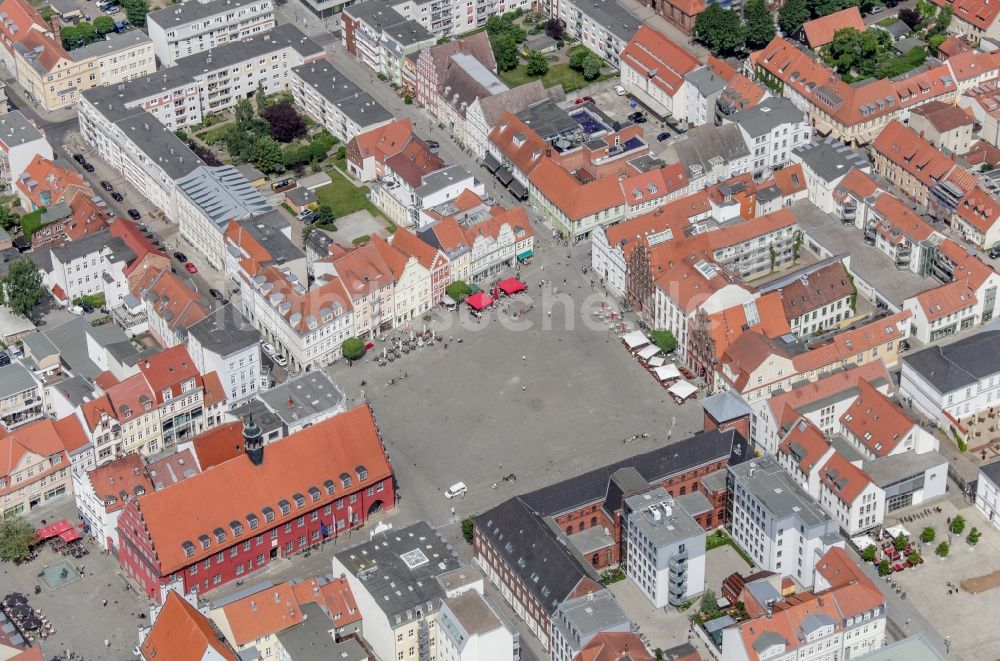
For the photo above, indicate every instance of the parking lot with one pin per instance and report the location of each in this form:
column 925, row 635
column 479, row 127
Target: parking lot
column 619, row 107
column 542, row 402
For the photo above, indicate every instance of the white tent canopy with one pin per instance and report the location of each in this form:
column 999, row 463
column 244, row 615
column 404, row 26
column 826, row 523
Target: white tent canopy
column 896, row 530
column 648, row 352
column 682, row 390
column 667, row 372
column 656, row 361
column 862, row 542
column 635, row 339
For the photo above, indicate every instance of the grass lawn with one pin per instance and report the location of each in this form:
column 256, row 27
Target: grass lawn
column 558, row 74
column 721, row 538
column 344, row 197
column 887, row 21
column 31, row 223
column 212, row 135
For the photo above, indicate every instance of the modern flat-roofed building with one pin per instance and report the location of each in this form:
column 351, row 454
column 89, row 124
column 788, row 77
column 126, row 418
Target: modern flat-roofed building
column 194, row 26
column 226, row 343
column 577, row 621
column 469, row 628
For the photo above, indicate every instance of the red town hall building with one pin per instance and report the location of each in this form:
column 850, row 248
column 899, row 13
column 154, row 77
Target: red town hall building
column 268, row 502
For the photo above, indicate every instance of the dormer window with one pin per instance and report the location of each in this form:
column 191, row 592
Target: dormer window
column 236, row 527
column 220, row 535
column 284, row 506
column 299, row 499
column 330, row 487
column 167, row 393
column 268, row 514
column 188, row 549
column 205, row 541
column 252, row 521
column 314, row 493
column 345, row 480
column 362, row 473
column 110, row 500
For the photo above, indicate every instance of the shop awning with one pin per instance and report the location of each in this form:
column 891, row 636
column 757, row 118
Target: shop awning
column 491, row 163
column 518, row 190
column 511, row 286
column 525, row 255
column 505, row 176
column 682, row 390
column 635, row 339
column 479, row 301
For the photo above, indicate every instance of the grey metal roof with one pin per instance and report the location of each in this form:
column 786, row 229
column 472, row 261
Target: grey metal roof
column 830, row 159
column 76, row 389
column 225, row 331
column 766, row 640
column 548, row 120
column 224, row 194
column 441, row 179
column 15, row 129
column 88, row 245
column 702, row 144
column 71, row 340
column 473, row 613
column 158, row 143
column 39, row 345
column 591, row 614
column 269, row 231
column 15, row 378
column 533, row 551
column 111, row 43
column 777, row 492
column 655, row 465
column 914, row 648
column 393, row 562
column 725, row 406
column 310, row 640
column 888, row 470
column 514, row 100
column 350, row 99
column 380, row 16
column 611, row 16
column 661, row 529
column 958, row 365
column 175, row 16
column 304, row 397
column 706, row 81
column 766, row 116
column 992, row 471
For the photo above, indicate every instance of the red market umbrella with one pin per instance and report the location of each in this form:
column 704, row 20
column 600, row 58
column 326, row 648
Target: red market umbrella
column 479, row 301
column 511, row 286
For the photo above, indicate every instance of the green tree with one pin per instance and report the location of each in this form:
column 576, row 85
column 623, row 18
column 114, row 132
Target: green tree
column 22, row 288
column 759, row 24
column 265, row 153
column 245, row 119
column 135, row 11
column 868, row 555
column 664, row 339
column 852, row 50
column 577, row 57
column 709, row 602
column 504, row 51
column 792, row 15
column 826, row 7
column 468, row 529
column 592, row 66
column 324, row 215
column 260, row 99
column 942, row 549
column 104, row 24
column 720, row 29
column 8, row 219
column 16, row 538
column 181, row 135
column 928, row 535
column 46, row 13
column 537, row 64
column 353, row 348
column 884, row 569
column 957, row 524
column 68, row 36
column 974, row 536
column 913, row 558
column 926, row 9
column 900, row 542
column 458, row 291
column 943, row 20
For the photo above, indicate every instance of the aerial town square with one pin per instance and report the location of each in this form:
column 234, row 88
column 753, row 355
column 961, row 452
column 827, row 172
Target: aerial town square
column 584, row 330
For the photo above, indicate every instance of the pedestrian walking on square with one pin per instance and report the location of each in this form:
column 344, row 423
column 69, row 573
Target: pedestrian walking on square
column 523, row 388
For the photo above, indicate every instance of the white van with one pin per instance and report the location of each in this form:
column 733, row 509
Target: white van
column 457, row 489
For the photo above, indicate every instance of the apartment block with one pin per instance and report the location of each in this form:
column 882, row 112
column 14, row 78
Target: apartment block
column 20, row 142
column 335, row 102
column 194, row 26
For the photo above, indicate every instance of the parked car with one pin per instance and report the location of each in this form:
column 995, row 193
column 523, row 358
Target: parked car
column 619, row 90
column 307, row 216
column 216, row 294
column 995, row 252
column 106, row 185
column 134, row 214
column 75, row 309
column 191, row 268
column 180, row 257
column 267, row 348
column 4, row 359
column 637, row 117
column 456, row 489
column 877, row 9
column 87, row 307
column 663, row 136
column 279, row 359
column 433, row 144
column 117, row 197
column 579, row 101
column 79, row 158
column 88, row 167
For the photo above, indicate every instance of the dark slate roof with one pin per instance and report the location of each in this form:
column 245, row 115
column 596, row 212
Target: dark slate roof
column 549, row 569
column 964, row 363
column 992, row 471
column 653, row 466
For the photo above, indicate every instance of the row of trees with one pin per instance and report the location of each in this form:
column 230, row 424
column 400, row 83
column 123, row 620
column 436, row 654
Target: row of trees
column 83, row 33
column 135, row 11
column 505, row 35
column 725, row 32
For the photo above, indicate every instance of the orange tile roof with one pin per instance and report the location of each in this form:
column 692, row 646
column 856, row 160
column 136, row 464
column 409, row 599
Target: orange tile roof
column 214, row 392
column 908, row 151
column 688, row 7
column 39, row 437
column 820, row 31
column 943, row 116
column 899, row 221
column 131, row 396
column 394, row 258
column 966, row 264
column 410, row 244
column 169, row 370
column 736, row 233
column 218, row 444
column 721, row 67
column 982, row 152
column 790, row 180
column 122, row 479
column 749, row 92
column 414, row 161
column 363, row 270
column 980, row 13
column 805, row 444
column 659, row 59
column 291, row 465
column 574, row 198
column 676, row 273
column 820, row 86
column 851, row 343
column 71, row 433
column 979, row 209
column 381, row 142
column 946, row 299
column 335, row 597
column 263, row 613
column 837, row 567
column 619, row 646
column 784, row 405
column 953, row 45
column 876, row 421
column 674, row 216
column 845, row 480
column 816, row 290
column 653, row 185
column 181, row 633
column 51, row 182
column 726, row 325
column 858, row 183
column 175, row 300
